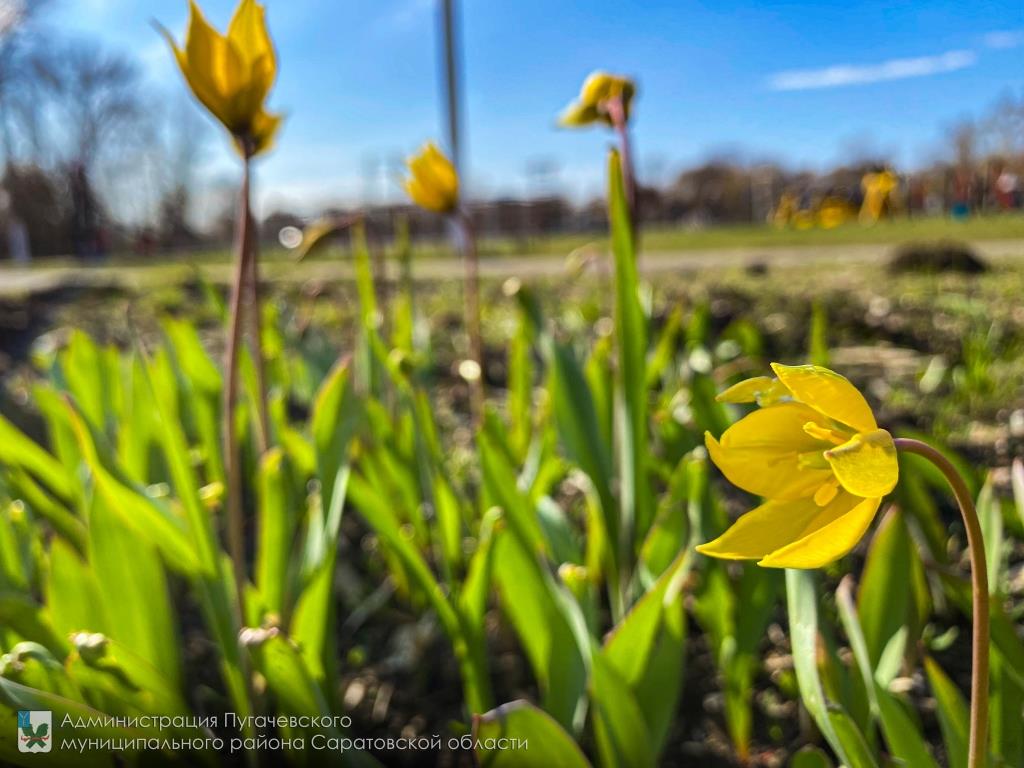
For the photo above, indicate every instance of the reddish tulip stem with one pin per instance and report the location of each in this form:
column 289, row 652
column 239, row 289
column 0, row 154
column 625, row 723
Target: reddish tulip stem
column 232, row 460
column 256, row 335
column 471, row 263
column 977, row 750
column 616, row 109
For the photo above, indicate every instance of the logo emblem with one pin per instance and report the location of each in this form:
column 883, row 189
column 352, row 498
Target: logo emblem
column 35, row 731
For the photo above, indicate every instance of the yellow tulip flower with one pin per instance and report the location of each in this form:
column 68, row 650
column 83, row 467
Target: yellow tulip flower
column 232, row 74
column 815, row 453
column 433, row 183
column 592, row 105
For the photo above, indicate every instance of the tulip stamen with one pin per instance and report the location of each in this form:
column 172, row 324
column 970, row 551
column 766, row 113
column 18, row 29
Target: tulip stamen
column 825, row 434
column 826, row 492
column 813, row 460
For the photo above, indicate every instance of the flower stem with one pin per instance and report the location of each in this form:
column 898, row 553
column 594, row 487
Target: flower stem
column 256, row 336
column 616, row 110
column 232, row 460
column 471, row 263
column 977, row 750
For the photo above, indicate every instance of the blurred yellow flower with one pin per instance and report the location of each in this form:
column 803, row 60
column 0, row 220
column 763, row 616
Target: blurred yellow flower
column 879, row 191
column 433, row 183
column 598, row 90
column 814, row 451
column 232, row 74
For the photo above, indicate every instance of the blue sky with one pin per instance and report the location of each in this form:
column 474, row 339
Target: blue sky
column 799, row 82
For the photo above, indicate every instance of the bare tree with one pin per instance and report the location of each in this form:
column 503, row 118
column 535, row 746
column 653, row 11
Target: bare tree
column 98, row 93
column 99, row 117
column 23, row 70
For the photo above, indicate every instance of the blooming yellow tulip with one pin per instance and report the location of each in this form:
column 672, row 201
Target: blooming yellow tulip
column 232, row 74
column 433, row 183
column 815, row 453
column 599, row 89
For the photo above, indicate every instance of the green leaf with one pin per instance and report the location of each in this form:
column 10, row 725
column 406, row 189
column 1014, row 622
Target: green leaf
column 882, row 609
column 102, row 663
column 14, row 697
column 647, row 649
column 477, row 585
column 201, row 382
column 134, row 592
column 858, row 754
column 17, row 450
column 631, row 375
column 952, row 711
column 312, row 621
column 837, row 728
column 1006, row 713
column 669, row 533
column 158, row 526
column 40, row 503
column 20, row 613
column 183, row 476
column 73, row 596
column 472, row 660
column 546, row 742
column 502, row 489
column 1017, row 481
column 531, row 599
column 1002, row 628
column 449, row 522
column 281, row 663
column 619, row 728
column 990, row 515
column 520, row 384
column 902, row 734
column 276, row 532
column 665, row 350
column 810, row 757
column 336, row 414
column 817, row 344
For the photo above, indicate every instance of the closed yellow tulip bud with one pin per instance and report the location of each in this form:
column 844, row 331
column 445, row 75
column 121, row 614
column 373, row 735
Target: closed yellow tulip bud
column 433, row 183
column 232, row 74
column 599, row 89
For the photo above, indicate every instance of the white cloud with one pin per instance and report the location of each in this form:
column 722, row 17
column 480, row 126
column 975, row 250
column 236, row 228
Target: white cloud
column 1004, row 38
column 857, row 74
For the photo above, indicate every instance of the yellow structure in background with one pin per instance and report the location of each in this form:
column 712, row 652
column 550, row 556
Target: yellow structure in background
column 880, row 202
column 834, row 211
column 827, row 213
column 879, row 196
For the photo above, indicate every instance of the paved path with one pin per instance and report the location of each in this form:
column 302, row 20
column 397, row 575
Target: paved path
column 19, row 281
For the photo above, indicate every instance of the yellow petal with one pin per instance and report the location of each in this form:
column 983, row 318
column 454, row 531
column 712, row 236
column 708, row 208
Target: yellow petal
column 215, row 71
column 828, row 393
column 774, row 525
column 248, row 36
column 866, row 464
column 828, row 542
column 319, row 232
column 761, row 453
column 248, row 32
column 597, row 89
column 264, row 129
column 423, row 197
column 763, row 390
column 200, row 83
column 576, row 115
column 434, row 183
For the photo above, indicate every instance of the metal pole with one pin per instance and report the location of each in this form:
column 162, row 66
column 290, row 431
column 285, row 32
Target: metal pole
column 451, row 81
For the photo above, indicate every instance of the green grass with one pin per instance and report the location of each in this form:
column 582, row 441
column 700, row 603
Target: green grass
column 992, row 227
column 654, row 238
